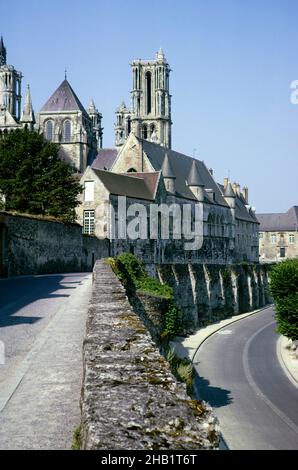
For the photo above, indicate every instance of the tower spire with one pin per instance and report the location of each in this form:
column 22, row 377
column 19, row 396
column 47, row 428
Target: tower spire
column 28, row 113
column 2, row 52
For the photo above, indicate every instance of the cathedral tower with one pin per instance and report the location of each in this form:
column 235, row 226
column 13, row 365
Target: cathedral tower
column 10, row 85
column 150, row 113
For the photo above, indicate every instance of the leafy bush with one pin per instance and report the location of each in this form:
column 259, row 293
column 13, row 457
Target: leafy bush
column 131, row 272
column 284, row 290
column 172, row 321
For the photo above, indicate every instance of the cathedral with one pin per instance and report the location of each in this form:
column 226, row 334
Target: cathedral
column 62, row 119
column 149, row 116
column 142, row 166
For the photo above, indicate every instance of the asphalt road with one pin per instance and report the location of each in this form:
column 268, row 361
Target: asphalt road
column 42, row 324
column 27, row 304
column 240, row 376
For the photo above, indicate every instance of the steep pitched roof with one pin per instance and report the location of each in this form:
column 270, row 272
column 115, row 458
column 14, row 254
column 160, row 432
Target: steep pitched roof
column 104, row 159
column 287, row 221
column 241, row 211
column 134, row 185
column 229, row 191
column 181, row 165
column 167, row 169
column 63, row 99
column 194, row 178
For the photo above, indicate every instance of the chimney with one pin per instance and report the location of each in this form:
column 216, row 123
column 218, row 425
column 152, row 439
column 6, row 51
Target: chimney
column 211, row 171
column 226, row 180
column 245, row 194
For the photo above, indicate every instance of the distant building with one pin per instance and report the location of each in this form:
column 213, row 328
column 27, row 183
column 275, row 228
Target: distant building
column 278, row 235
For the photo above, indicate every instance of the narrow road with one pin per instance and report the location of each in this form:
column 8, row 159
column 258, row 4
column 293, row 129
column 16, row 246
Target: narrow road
column 42, row 325
column 240, row 376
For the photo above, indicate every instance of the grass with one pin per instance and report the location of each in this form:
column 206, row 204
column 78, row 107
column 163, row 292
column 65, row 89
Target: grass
column 76, row 443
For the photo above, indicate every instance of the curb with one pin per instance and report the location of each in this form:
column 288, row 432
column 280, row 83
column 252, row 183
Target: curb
column 233, row 320
column 283, row 363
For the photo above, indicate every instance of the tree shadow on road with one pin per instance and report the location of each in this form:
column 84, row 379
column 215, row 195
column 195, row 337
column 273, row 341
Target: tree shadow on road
column 215, row 396
column 17, row 293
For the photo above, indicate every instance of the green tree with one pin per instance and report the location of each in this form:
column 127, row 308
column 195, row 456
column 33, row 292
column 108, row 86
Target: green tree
column 284, row 290
column 34, row 179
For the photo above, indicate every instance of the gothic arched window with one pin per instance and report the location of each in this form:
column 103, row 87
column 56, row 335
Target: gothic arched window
column 145, row 132
column 49, row 130
column 149, row 92
column 152, row 129
column 67, row 131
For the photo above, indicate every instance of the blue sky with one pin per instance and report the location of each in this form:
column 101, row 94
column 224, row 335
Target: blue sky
column 233, row 62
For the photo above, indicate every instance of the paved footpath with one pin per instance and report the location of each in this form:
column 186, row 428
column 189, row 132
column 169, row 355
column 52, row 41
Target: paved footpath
column 42, row 324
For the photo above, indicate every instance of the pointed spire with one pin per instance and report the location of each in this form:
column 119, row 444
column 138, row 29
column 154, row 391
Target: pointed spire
column 65, row 74
column 28, row 113
column 194, row 178
column 2, row 52
column 167, row 170
column 92, row 107
column 229, row 192
column 160, row 55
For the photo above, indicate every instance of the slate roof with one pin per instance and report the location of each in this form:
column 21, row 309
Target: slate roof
column 229, row 191
column 136, row 185
column 287, row 221
column 194, row 178
column 104, row 159
column 167, row 169
column 63, row 99
column 241, row 212
column 181, row 165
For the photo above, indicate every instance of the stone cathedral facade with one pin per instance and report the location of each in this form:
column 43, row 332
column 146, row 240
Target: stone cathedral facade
column 62, row 119
column 149, row 116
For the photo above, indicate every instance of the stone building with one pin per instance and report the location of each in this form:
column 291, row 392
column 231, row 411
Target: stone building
column 149, row 116
column 64, row 120
column 278, row 235
column 230, row 227
column 11, row 117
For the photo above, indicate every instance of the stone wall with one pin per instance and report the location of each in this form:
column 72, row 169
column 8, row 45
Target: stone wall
column 208, row 293
column 37, row 246
column 130, row 400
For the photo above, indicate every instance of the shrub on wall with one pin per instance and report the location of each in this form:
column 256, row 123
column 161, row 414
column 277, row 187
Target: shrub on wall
column 131, row 272
column 284, row 290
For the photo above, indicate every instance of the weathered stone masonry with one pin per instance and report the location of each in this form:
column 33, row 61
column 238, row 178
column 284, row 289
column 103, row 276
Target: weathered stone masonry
column 130, row 399
column 37, row 246
column 208, row 293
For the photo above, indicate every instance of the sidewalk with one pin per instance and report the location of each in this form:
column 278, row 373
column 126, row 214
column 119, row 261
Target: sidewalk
column 288, row 359
column 40, row 403
column 187, row 347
